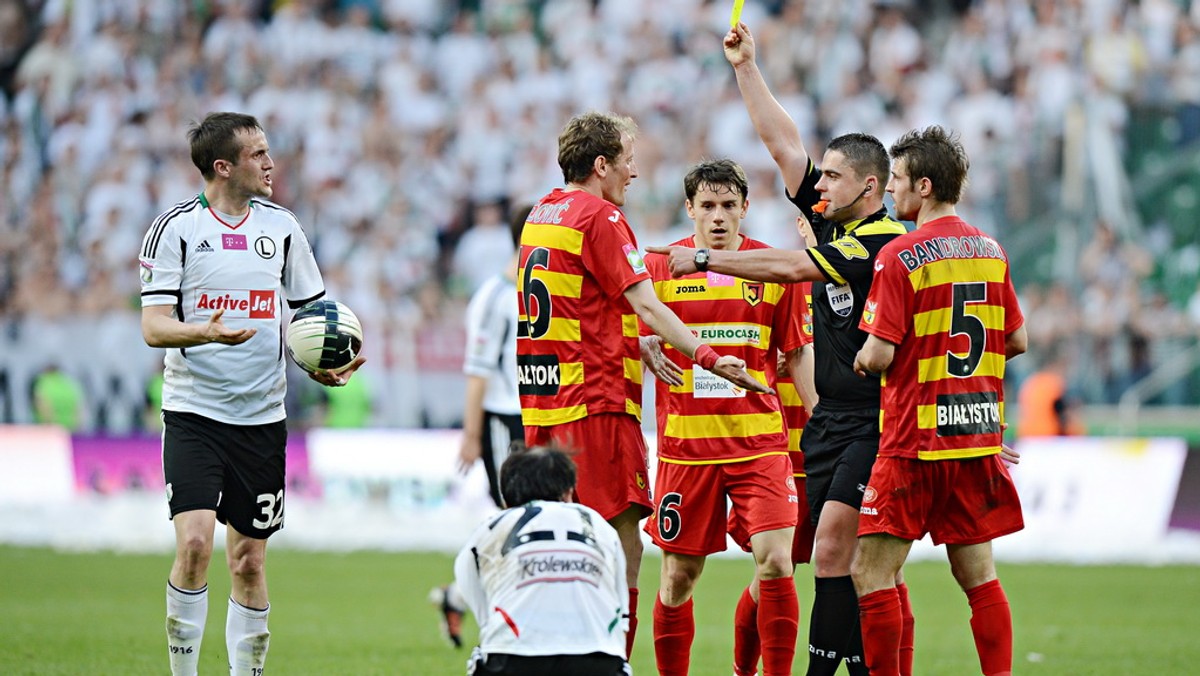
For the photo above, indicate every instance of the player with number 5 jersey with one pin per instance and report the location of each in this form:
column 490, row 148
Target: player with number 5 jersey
column 943, row 320
column 581, row 287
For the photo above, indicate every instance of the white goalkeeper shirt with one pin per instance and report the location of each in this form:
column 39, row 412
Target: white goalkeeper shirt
column 546, row 578
column 198, row 262
column 492, row 344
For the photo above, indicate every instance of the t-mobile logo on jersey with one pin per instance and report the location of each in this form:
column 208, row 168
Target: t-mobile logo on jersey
column 247, row 303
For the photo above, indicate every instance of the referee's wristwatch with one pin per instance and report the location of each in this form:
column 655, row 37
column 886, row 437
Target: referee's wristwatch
column 701, row 260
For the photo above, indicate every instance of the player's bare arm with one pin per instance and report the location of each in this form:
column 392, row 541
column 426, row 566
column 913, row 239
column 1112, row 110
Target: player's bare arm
column 781, row 266
column 800, row 367
column 662, row 368
column 161, row 329
column 875, row 356
column 775, row 127
column 1016, row 343
column 662, row 321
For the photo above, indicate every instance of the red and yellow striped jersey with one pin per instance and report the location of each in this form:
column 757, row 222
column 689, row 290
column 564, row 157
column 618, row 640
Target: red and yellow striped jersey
column 707, row 419
column 944, row 296
column 577, row 338
column 795, row 415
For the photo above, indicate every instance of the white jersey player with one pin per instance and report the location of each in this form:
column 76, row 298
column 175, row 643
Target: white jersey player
column 545, row 579
column 216, row 270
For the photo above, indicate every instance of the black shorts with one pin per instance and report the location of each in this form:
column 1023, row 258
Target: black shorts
column 499, row 431
column 235, row 470
column 839, row 449
column 592, row 664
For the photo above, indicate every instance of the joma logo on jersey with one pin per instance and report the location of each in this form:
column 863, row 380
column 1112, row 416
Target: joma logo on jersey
column 538, row 374
column 246, row 303
column 732, row 334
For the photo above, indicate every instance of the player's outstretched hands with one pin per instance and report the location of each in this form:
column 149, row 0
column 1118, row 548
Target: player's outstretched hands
column 739, row 45
column 681, row 260
column 734, row 370
column 652, row 356
column 331, row 379
column 216, row 331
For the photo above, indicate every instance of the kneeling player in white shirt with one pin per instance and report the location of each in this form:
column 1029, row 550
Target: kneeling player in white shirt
column 545, row 578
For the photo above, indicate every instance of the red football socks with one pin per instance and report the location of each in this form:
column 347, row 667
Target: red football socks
column 991, row 624
column 778, row 623
column 907, row 632
column 674, row 631
column 745, row 635
column 882, row 626
column 633, row 603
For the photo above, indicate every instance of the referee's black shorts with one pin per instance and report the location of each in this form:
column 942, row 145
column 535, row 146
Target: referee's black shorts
column 839, row 449
column 592, row 664
column 235, row 470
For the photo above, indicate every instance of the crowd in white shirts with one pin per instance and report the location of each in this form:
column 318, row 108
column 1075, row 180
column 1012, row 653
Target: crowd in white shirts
column 401, row 128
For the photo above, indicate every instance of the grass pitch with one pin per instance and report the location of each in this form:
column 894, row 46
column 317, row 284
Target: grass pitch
column 366, row 613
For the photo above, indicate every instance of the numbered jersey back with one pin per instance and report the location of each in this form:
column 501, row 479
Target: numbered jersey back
column 546, row 578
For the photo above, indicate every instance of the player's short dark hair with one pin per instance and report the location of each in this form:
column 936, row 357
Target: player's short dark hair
column 516, row 222
column 215, row 138
column 721, row 173
column 938, row 155
column 865, row 154
column 588, row 136
column 538, row 473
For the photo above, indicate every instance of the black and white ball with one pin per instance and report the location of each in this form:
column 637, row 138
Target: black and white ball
column 324, row 334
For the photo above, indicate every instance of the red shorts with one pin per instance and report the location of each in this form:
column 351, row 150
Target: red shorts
column 958, row 502
column 806, row 530
column 691, row 516
column 610, row 460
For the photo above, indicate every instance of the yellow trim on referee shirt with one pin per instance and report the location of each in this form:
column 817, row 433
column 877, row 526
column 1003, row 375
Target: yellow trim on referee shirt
column 553, row 236
column 823, row 263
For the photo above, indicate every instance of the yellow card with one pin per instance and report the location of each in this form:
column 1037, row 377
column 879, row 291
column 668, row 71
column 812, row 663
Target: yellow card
column 736, row 16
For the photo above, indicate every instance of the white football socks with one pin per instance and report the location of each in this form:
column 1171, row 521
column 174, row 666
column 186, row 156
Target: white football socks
column 186, row 612
column 247, row 639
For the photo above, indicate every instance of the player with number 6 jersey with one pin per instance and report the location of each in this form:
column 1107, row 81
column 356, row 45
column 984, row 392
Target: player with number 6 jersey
column 581, row 287
column 718, row 443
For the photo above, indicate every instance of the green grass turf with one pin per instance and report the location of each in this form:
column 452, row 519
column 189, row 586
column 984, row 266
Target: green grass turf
column 366, row 613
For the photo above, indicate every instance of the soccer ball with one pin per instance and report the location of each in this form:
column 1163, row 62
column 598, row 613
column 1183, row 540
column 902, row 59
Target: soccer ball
column 324, row 334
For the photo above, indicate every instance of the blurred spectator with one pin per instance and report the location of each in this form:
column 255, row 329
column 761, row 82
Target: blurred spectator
column 393, row 119
column 1047, row 408
column 57, row 399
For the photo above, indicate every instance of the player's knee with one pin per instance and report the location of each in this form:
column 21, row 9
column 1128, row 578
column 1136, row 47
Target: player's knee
column 247, row 565
column 195, row 551
column 775, row 564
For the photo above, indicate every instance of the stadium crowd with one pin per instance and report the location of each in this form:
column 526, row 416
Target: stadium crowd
column 402, row 131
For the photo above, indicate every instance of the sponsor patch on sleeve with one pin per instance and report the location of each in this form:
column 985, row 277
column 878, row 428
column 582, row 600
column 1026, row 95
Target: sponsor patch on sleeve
column 635, row 259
